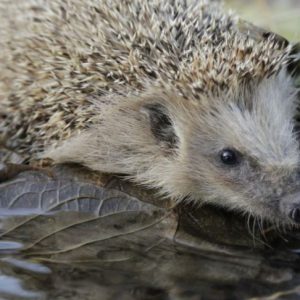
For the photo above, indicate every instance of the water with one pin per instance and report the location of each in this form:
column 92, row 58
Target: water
column 64, row 237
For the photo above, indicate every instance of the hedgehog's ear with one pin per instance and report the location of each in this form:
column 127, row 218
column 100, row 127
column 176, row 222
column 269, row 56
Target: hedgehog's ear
column 162, row 126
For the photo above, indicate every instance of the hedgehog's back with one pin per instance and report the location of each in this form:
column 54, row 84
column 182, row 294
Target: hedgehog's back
column 58, row 58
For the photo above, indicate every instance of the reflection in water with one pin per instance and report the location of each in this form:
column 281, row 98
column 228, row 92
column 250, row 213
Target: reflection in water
column 9, row 246
column 11, row 286
column 66, row 238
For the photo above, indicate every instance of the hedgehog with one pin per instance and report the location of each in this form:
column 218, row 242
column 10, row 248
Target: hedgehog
column 178, row 95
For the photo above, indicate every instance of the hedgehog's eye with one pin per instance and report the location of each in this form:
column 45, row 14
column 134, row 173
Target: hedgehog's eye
column 230, row 157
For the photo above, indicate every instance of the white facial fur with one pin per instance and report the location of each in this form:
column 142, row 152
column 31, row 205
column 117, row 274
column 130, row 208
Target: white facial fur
column 263, row 133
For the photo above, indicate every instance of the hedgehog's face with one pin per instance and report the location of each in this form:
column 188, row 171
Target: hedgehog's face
column 237, row 152
column 241, row 156
column 247, row 156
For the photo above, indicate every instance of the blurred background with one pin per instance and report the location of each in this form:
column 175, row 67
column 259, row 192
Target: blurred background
column 280, row 16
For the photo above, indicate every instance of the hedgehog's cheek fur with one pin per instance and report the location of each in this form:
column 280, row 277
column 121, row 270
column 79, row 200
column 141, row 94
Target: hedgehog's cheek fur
column 133, row 139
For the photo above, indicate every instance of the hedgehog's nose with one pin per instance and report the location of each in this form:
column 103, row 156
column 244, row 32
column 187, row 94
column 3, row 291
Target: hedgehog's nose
column 294, row 214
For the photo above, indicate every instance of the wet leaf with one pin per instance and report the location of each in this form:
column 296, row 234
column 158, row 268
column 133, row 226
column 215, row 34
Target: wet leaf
column 64, row 218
